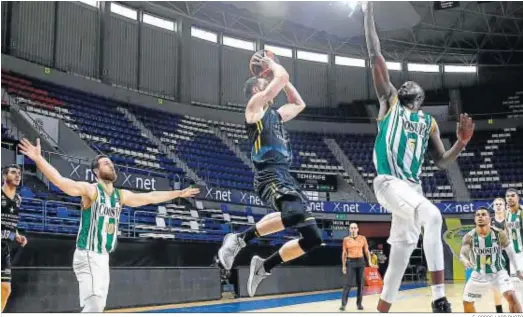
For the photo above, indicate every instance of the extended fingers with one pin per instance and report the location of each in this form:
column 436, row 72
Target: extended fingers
column 25, row 142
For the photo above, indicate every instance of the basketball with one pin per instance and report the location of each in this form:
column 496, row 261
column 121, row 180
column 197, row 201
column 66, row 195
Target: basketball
column 257, row 70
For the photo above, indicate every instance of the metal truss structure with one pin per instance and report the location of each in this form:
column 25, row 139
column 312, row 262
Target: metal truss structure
column 484, row 33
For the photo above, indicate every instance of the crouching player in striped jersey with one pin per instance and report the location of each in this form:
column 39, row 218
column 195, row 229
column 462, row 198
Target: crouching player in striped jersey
column 482, row 252
column 101, row 208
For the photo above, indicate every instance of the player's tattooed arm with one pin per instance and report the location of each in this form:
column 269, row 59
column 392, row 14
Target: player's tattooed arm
column 464, row 253
column 295, row 103
column 464, row 130
column 384, row 89
column 505, row 243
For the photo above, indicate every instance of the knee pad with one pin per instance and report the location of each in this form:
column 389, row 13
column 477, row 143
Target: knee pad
column 94, row 304
column 311, row 237
column 292, row 211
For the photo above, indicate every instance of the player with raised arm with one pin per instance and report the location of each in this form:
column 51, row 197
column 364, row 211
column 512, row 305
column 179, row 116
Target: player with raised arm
column 482, row 252
column 101, row 206
column 405, row 133
column 272, row 155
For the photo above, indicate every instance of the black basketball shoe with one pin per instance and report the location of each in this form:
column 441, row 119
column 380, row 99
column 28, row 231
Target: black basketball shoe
column 441, row 305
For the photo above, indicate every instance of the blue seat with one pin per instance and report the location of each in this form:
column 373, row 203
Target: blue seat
column 62, row 212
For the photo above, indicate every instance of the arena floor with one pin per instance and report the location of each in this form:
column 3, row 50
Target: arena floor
column 412, row 298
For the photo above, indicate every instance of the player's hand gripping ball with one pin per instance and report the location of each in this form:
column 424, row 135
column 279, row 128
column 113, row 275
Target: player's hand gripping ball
column 261, row 69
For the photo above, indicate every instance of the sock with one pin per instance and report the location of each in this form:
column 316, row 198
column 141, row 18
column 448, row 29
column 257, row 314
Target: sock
column 94, row 304
column 249, row 234
column 272, row 261
column 438, row 291
column 499, row 309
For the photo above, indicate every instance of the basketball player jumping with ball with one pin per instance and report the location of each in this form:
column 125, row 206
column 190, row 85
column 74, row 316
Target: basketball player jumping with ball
column 101, row 207
column 404, row 134
column 272, row 156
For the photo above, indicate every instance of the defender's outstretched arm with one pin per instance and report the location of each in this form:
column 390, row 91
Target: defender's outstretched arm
column 380, row 74
column 464, row 131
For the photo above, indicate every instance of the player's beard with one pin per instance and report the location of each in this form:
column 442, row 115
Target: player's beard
column 108, row 176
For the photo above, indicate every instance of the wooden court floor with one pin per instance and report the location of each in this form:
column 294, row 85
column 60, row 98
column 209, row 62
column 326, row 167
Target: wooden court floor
column 413, row 298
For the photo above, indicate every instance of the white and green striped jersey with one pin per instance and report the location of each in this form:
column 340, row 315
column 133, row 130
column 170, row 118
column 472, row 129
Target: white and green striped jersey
column 486, row 252
column 402, row 141
column 514, row 225
column 99, row 222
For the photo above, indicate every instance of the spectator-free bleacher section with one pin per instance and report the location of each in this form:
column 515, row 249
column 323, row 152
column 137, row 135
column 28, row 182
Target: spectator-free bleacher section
column 492, row 162
column 359, row 149
column 195, row 142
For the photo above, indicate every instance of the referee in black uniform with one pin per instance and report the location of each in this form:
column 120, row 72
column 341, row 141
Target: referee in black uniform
column 11, row 175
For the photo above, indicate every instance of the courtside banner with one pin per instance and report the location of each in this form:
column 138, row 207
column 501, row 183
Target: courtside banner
column 55, row 290
column 375, row 208
column 249, row 198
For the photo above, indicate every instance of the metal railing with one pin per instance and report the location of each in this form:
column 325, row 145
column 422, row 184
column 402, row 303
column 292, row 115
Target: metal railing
column 133, row 223
column 61, row 204
column 18, row 107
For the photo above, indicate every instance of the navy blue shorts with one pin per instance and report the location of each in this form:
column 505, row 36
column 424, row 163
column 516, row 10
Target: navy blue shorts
column 272, row 183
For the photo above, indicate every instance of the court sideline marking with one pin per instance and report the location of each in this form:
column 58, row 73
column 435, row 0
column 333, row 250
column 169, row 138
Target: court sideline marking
column 243, row 306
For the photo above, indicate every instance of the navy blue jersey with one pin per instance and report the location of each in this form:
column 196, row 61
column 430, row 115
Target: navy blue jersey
column 270, row 141
column 498, row 225
column 10, row 215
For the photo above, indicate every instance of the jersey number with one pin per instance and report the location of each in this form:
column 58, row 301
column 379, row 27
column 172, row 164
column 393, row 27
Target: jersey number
column 6, row 234
column 412, row 143
column 109, row 228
